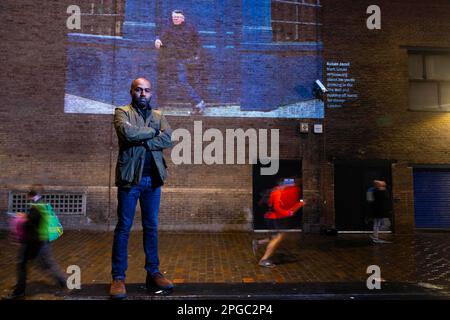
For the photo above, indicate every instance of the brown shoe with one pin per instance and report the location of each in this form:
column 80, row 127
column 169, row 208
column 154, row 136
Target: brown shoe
column 158, row 280
column 118, row 290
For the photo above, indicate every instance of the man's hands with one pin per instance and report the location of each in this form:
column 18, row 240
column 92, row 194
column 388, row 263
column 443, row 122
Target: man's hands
column 158, row 44
column 143, row 143
column 298, row 207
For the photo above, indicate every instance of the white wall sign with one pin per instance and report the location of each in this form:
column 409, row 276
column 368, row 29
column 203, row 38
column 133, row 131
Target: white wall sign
column 318, row 128
column 339, row 83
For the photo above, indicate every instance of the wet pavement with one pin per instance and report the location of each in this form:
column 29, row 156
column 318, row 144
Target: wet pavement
column 223, row 266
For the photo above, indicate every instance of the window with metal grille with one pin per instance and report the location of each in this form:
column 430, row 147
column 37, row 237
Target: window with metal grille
column 429, row 80
column 62, row 203
column 102, row 17
column 296, row 20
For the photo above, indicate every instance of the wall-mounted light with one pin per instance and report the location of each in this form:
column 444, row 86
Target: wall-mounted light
column 304, row 127
column 319, row 90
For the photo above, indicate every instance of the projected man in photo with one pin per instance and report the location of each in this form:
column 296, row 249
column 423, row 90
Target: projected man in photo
column 179, row 47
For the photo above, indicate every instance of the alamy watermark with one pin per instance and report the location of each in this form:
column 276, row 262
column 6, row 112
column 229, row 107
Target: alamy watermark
column 73, row 22
column 190, row 149
column 74, row 280
column 374, row 280
column 374, row 21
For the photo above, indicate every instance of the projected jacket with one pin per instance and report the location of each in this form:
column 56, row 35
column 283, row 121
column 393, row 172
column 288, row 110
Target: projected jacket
column 180, row 42
column 137, row 136
column 284, row 202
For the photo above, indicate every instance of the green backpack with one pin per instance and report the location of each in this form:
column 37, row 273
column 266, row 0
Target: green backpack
column 49, row 228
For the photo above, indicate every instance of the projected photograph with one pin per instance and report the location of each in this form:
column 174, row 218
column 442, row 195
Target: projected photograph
column 205, row 58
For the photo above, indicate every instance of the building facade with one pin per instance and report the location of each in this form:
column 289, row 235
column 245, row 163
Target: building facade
column 385, row 115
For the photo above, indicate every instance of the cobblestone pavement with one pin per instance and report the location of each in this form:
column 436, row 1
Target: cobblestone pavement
column 218, row 265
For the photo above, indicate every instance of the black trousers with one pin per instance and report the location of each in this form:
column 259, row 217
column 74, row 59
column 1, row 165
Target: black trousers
column 40, row 252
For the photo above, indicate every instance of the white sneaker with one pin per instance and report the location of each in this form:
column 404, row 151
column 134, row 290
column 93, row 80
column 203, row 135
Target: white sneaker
column 199, row 108
column 378, row 240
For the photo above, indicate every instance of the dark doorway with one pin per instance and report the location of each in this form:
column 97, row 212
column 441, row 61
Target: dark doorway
column 263, row 184
column 352, row 179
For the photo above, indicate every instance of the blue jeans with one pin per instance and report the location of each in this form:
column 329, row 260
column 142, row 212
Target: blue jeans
column 183, row 79
column 149, row 199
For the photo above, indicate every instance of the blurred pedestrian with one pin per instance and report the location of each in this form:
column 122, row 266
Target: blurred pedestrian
column 379, row 208
column 284, row 201
column 35, row 245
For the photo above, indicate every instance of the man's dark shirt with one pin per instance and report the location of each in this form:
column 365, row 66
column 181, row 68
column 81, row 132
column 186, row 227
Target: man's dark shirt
column 381, row 204
column 149, row 165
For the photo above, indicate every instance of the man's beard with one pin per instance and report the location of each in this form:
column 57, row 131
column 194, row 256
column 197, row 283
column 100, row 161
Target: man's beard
column 142, row 102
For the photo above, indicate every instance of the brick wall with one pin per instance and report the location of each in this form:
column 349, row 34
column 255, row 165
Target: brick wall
column 378, row 125
column 72, row 152
column 41, row 144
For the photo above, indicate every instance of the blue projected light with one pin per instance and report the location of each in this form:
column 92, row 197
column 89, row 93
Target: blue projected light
column 237, row 59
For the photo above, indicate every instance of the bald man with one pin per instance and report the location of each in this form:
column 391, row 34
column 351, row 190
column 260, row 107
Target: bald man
column 143, row 134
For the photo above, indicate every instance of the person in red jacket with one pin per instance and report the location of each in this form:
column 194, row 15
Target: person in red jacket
column 284, row 201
